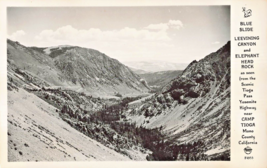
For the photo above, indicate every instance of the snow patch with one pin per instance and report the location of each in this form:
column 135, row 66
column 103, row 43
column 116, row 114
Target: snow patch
column 48, row 49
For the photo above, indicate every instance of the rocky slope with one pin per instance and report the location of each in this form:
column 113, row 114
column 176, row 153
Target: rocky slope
column 80, row 69
column 193, row 107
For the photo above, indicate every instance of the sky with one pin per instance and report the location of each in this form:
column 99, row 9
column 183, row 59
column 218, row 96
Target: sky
column 178, row 34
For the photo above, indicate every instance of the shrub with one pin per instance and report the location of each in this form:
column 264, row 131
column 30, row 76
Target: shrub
column 192, row 94
column 177, row 93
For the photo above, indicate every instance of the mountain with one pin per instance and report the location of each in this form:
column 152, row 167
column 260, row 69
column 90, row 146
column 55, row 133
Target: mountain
column 155, row 66
column 193, row 109
column 160, row 79
column 138, row 71
column 80, row 69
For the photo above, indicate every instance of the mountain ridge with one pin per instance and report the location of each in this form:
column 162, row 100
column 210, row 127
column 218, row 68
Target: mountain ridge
column 81, row 68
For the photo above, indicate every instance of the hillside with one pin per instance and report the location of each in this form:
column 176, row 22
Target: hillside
column 77, row 68
column 37, row 133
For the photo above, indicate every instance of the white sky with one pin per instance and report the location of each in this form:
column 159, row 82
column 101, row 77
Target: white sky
column 172, row 34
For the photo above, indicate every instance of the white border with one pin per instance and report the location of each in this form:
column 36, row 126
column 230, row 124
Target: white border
column 236, row 150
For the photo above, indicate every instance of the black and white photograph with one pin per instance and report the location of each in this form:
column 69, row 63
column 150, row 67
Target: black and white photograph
column 118, row 83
